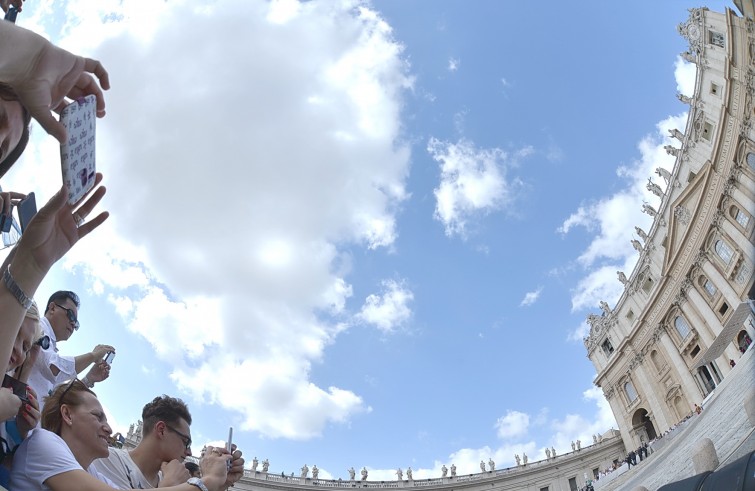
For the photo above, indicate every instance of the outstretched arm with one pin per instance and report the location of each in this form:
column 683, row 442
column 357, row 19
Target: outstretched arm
column 43, row 75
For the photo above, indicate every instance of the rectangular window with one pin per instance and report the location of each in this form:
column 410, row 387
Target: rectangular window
column 714, row 88
column 694, row 352
column 647, row 285
column 630, row 315
column 710, row 288
column 596, row 473
column 707, row 131
column 724, row 308
column 716, row 38
column 742, row 218
column 573, row 484
column 544, row 489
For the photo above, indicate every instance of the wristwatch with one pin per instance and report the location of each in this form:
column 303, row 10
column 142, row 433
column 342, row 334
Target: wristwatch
column 195, row 481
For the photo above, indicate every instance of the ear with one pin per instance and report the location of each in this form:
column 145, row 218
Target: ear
column 66, row 414
column 159, row 428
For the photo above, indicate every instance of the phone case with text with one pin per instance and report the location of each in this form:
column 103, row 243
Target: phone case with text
column 77, row 156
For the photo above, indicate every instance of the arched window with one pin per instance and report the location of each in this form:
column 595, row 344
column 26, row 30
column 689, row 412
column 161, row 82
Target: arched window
column 724, row 251
column 631, row 393
column 681, row 326
column 657, row 360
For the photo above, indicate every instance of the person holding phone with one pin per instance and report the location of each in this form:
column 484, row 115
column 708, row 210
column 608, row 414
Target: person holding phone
column 158, row 458
column 49, row 237
column 74, row 433
column 50, row 368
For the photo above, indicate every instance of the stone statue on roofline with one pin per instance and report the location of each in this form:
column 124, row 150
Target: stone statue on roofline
column 304, row 471
column 671, row 150
column 642, row 234
column 649, row 210
column 491, row 464
column 453, row 470
column 364, row 473
column 674, row 133
column 444, row 471
column 400, row 474
column 622, row 277
column 265, row 465
column 637, row 246
column 518, row 460
column 553, row 452
column 605, row 308
column 666, row 175
column 654, row 188
column 684, row 98
column 524, row 458
column 547, row 453
column 352, row 473
column 409, row 474
column 255, row 463
column 315, row 471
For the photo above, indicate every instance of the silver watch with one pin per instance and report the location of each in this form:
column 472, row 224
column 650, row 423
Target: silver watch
column 195, row 481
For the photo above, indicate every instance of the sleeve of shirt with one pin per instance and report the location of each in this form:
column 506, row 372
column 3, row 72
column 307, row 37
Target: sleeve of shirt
column 47, row 456
column 66, row 365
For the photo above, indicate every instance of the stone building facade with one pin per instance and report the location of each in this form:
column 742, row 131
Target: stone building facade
column 685, row 313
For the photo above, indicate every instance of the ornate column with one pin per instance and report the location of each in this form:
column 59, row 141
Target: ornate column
column 657, row 408
column 684, row 376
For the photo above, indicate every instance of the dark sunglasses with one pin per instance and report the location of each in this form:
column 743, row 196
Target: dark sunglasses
column 71, row 316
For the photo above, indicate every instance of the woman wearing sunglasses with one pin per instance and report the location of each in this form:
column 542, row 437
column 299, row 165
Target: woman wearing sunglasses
column 74, row 433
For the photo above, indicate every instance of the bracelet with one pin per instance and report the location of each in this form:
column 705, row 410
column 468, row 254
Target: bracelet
column 16, row 290
column 87, row 382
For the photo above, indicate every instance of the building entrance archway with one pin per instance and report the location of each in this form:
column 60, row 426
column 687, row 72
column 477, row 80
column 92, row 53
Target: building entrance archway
column 643, row 426
column 708, row 383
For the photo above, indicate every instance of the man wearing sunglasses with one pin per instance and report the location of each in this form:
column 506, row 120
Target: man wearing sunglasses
column 158, row 457
column 50, row 368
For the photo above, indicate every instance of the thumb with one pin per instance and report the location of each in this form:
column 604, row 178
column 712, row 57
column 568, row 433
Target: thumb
column 51, row 125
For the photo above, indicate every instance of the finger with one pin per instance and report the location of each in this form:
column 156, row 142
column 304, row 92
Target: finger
column 51, row 125
column 89, row 226
column 89, row 204
column 94, row 66
column 52, row 207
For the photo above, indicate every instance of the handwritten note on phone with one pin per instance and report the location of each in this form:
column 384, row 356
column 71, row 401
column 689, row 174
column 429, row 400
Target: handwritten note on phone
column 77, row 154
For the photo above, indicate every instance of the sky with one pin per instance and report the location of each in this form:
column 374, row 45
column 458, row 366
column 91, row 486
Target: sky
column 364, row 233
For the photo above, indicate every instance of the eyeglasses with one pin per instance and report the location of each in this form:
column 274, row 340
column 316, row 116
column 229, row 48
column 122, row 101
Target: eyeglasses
column 71, row 316
column 185, row 439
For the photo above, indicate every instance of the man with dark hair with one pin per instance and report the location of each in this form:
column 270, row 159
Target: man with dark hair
column 193, row 469
column 158, row 457
column 50, row 369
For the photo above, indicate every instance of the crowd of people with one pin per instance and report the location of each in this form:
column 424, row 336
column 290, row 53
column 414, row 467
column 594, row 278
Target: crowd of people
column 54, row 433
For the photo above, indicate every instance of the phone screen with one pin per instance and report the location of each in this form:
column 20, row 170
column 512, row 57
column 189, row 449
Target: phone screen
column 109, row 357
column 27, row 208
column 77, row 156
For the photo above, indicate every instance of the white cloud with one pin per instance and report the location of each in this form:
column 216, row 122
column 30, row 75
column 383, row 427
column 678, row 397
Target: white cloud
column 235, row 189
column 685, row 74
column 453, row 64
column 390, row 310
column 513, row 424
column 531, row 297
column 473, row 181
column 614, row 217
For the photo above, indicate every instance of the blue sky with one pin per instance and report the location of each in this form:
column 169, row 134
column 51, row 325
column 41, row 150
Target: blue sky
column 365, row 233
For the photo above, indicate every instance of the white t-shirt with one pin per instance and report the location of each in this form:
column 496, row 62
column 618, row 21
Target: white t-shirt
column 41, row 378
column 41, row 456
column 119, row 468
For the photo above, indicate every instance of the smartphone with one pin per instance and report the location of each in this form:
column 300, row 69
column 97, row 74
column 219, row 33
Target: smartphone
column 27, row 208
column 77, row 156
column 229, row 447
column 18, row 388
column 109, row 357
